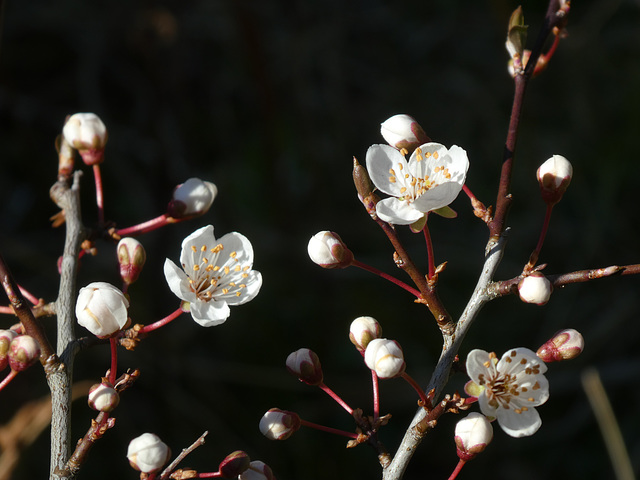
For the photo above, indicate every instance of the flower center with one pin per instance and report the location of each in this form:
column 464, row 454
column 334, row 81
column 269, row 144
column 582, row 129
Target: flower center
column 428, row 176
column 214, row 276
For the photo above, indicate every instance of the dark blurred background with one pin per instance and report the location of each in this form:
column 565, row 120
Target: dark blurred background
column 270, row 100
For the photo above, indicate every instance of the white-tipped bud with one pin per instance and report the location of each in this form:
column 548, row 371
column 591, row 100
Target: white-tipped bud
column 329, row 251
column 147, row 453
column 554, row 176
column 363, row 330
column 278, row 424
column 6, row 337
column 234, row 464
column 102, row 309
column 257, row 471
column 565, row 345
column 305, row 365
column 472, row 435
column 103, row 397
column 86, row 133
column 24, row 351
column 402, row 131
column 131, row 258
column 535, row 288
column 385, row 357
column 192, row 198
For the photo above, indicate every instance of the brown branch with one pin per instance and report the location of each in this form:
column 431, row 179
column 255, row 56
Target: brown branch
column 186, row 451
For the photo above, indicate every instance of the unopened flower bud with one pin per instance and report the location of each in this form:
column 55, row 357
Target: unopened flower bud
column 103, row 397
column 473, row 434
column 516, row 35
column 191, row 198
column 385, row 357
column 305, row 365
column 535, row 288
column 102, row 309
column 402, row 131
column 6, row 336
column 147, row 453
column 278, row 424
column 257, row 471
column 131, row 258
column 234, row 464
column 24, row 351
column 329, row 251
column 363, row 330
column 565, row 345
column 554, row 177
column 87, row 134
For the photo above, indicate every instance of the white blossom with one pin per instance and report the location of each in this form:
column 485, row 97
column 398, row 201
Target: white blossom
column 102, row 309
column 432, row 179
column 535, row 288
column 214, row 275
column 510, row 388
column 147, row 453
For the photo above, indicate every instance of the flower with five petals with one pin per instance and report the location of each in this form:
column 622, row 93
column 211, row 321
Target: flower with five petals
column 214, row 275
column 431, row 179
column 508, row 389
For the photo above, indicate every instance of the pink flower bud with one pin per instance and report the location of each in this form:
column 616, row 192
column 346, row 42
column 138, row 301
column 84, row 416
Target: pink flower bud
column 305, row 365
column 191, row 198
column 363, row 330
column 6, row 336
column 278, row 424
column 102, row 309
column 147, row 453
column 234, row 464
column 24, row 351
column 554, row 177
column 565, row 345
column 329, row 251
column 385, row 357
column 131, row 258
column 103, row 397
column 402, row 131
column 86, row 133
column 257, row 471
column 473, row 434
column 535, row 288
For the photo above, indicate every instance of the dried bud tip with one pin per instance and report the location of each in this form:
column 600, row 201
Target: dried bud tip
column 535, row 288
column 363, row 330
column 565, row 345
column 278, row 424
column 329, row 251
column 305, row 365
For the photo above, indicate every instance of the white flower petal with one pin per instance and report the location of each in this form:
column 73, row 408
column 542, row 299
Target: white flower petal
column 521, row 424
column 397, row 212
column 381, row 161
column 253, row 283
column 437, row 197
column 210, row 314
column 178, row 282
column 478, row 361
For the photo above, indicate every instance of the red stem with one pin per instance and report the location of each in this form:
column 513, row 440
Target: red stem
column 376, row 396
column 8, row 379
column 533, row 259
column 209, row 475
column 99, row 193
column 144, row 227
column 336, row 397
column 328, row 429
column 416, row 387
column 455, row 473
column 114, row 360
column 161, row 323
column 386, row 276
column 427, row 238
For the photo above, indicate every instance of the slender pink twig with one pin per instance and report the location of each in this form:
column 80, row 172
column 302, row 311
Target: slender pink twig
column 145, row 227
column 416, row 387
column 469, row 193
column 29, row 296
column 114, row 360
column 336, row 397
column 427, row 238
column 457, row 469
column 8, row 310
column 328, row 429
column 8, row 379
column 209, row 475
column 160, row 323
column 533, row 259
column 386, row 276
column 376, row 396
column 99, row 193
